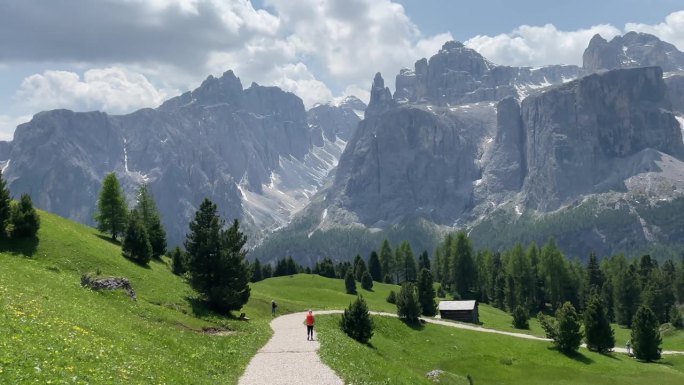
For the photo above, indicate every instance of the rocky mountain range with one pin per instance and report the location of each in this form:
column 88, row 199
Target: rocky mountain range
column 506, row 153
column 256, row 152
column 590, row 155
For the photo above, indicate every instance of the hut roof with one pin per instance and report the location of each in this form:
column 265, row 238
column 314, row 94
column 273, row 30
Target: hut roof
column 457, row 305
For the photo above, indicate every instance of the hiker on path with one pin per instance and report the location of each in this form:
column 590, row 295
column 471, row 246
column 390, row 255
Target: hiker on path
column 274, row 307
column 309, row 326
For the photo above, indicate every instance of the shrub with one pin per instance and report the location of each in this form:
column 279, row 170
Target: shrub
column 24, row 219
column 388, row 279
column 179, row 263
column 520, row 318
column 356, row 321
column 392, row 297
column 350, row 283
column 408, row 305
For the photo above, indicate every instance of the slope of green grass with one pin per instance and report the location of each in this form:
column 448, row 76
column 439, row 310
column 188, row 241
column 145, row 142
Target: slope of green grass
column 52, row 330
column 399, row 354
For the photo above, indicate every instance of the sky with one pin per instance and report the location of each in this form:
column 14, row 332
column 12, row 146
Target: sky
column 121, row 55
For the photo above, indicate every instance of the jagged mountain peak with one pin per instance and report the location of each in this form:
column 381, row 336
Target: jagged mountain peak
column 633, row 49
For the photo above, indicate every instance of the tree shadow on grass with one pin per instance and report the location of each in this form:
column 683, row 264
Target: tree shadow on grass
column 579, row 357
column 108, row 239
column 201, row 308
column 419, row 325
column 26, row 247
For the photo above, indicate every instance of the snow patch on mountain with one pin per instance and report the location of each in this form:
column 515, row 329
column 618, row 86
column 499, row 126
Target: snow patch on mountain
column 680, row 119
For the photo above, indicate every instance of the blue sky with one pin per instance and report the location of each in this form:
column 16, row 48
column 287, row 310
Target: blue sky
column 121, row 55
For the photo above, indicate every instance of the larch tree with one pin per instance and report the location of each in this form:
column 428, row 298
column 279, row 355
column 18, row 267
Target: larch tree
column 147, row 207
column 112, row 210
column 374, row 267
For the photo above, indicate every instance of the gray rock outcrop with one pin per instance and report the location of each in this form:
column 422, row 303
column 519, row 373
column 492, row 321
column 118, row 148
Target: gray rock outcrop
column 634, row 49
column 575, row 131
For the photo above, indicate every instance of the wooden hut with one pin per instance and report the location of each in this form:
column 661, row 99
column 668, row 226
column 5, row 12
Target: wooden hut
column 463, row 311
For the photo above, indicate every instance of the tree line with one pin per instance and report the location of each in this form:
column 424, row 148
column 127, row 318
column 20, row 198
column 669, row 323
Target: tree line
column 213, row 259
column 18, row 219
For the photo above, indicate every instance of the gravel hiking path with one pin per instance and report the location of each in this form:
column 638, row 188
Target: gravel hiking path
column 288, row 358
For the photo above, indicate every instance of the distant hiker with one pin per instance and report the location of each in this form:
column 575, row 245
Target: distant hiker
column 628, row 346
column 274, row 307
column 309, row 326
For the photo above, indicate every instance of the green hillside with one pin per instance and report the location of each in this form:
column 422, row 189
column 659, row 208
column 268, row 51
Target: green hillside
column 52, row 329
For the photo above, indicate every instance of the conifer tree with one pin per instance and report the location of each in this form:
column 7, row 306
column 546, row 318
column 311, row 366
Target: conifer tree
column 24, row 218
column 386, row 259
column 359, row 268
column 568, row 334
column 149, row 214
column 676, row 317
column 598, row 333
column 366, row 281
column 256, row 271
column 356, row 321
column 409, row 262
column 216, row 260
column 426, row 293
column 350, row 282
column 5, row 202
column 392, row 297
column 464, row 272
column 646, row 338
column 179, row 264
column 374, row 267
column 112, row 210
column 521, row 318
column 136, row 245
column 408, row 305
column 626, row 296
column 424, row 261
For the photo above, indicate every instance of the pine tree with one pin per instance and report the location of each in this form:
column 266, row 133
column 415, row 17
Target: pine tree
column 366, row 281
column 374, row 267
column 424, row 261
column 267, row 271
column 568, row 334
column 350, row 283
column 408, row 305
column 149, row 213
column 356, row 321
column 645, row 335
column 179, row 264
column 5, row 204
column 359, row 268
column 676, row 317
column 626, row 296
column 112, row 210
column 392, row 297
column 386, row 259
column 256, row 271
column 598, row 333
column 426, row 293
column 24, row 218
column 409, row 261
column 216, row 260
column 464, row 271
column 521, row 318
column 136, row 245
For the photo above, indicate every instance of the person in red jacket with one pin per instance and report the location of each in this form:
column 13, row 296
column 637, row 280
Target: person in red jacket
column 309, row 326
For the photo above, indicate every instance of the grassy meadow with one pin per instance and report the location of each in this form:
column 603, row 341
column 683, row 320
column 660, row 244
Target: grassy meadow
column 52, row 330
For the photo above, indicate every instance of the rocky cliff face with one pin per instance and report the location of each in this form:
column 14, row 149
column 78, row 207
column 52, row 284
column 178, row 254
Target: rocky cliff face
column 576, row 131
column 634, row 49
column 459, row 75
column 251, row 151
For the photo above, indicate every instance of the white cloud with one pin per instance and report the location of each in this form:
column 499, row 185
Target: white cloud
column 538, row 45
column 671, row 30
column 9, row 123
column 114, row 90
column 297, row 78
